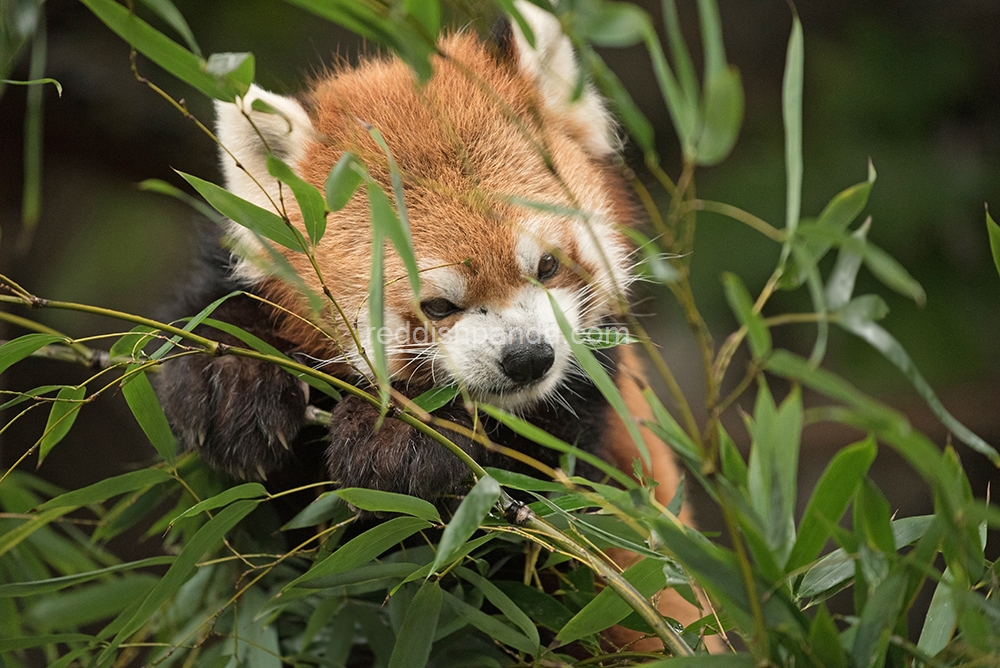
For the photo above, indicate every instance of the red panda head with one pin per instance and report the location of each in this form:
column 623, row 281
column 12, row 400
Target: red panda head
column 511, row 196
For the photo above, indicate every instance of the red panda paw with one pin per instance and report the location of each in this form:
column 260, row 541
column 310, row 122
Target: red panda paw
column 241, row 415
column 393, row 458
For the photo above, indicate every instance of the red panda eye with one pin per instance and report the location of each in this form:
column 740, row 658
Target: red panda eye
column 439, row 308
column 548, row 265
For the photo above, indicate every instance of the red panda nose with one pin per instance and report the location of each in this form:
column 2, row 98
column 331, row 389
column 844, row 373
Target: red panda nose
column 525, row 362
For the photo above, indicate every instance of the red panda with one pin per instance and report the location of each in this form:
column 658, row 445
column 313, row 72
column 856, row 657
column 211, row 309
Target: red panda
column 494, row 128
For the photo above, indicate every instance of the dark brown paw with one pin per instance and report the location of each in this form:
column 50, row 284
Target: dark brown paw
column 395, row 458
column 240, row 414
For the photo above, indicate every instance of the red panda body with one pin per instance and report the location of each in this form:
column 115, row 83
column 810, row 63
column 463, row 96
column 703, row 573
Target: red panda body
column 495, row 156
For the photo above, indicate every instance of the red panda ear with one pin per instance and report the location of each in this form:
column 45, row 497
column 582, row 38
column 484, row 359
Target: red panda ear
column 552, row 65
column 280, row 126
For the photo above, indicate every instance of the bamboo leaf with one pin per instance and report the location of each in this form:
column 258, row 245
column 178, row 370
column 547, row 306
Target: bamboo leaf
column 62, row 415
column 840, row 283
column 871, row 639
column 249, row 490
column 207, row 538
column 740, row 302
column 382, row 217
column 309, row 199
column 260, row 221
column 993, row 231
column 502, row 602
column 397, row 227
column 416, row 636
column 470, row 514
column 723, row 117
column 829, row 500
column 436, row 398
column 167, row 11
column 142, row 401
column 378, row 501
column 107, row 488
column 886, row 344
column 33, row 588
column 328, row 507
column 608, row 608
column 165, row 52
column 491, row 626
column 543, row 438
column 15, row 350
column 343, row 181
column 791, row 108
column 362, row 549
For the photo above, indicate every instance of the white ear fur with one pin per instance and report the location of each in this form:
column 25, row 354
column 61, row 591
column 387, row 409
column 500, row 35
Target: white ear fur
column 286, row 133
column 552, row 64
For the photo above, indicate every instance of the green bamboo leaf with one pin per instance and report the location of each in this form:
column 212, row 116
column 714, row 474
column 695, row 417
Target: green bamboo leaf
column 165, row 52
column 862, row 309
column 791, row 111
column 608, row 608
column 17, row 349
column 107, row 488
column 543, row 438
column 397, row 227
column 599, row 375
column 711, row 38
column 599, row 338
column 249, row 490
column 942, row 617
column 544, row 609
column 47, row 586
column 892, row 274
column 166, row 10
column 31, row 394
column 758, row 335
column 612, row 24
column 491, row 626
column 328, row 507
column 36, row 82
column 669, row 431
column 361, row 575
column 428, row 13
column 993, row 231
column 734, row 467
column 62, row 415
column 378, row 501
column 681, row 56
column 470, row 514
column 259, row 221
column 824, row 641
column 878, row 619
column 164, row 188
column 838, row 567
column 362, row 549
column 90, row 604
column 192, row 323
column 829, row 500
column 436, row 398
column 309, row 199
column 840, row 283
column 524, row 482
column 773, row 467
column 207, row 538
column 873, row 519
column 235, row 68
column 886, row 344
column 343, row 181
column 13, row 537
column 723, row 117
column 382, row 218
column 416, row 636
column 501, row 601
column 142, row 401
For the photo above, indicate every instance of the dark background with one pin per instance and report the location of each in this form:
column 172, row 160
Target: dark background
column 915, row 86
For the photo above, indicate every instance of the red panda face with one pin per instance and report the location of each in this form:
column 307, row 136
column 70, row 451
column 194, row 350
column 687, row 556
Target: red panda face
column 511, row 199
